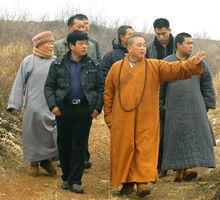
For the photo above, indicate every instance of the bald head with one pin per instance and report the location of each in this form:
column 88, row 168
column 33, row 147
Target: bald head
column 132, row 39
column 136, row 47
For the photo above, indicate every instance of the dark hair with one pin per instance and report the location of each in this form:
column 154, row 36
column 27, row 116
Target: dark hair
column 80, row 17
column 181, row 37
column 75, row 36
column 161, row 23
column 122, row 31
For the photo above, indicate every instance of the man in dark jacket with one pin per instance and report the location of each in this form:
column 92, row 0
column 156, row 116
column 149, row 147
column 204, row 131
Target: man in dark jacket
column 80, row 22
column 161, row 47
column 119, row 49
column 74, row 94
column 94, row 52
column 163, row 43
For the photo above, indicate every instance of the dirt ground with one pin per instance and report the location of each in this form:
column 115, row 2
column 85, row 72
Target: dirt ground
column 16, row 184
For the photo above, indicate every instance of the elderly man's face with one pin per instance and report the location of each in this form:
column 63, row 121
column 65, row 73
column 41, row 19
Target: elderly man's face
column 137, row 49
column 48, row 46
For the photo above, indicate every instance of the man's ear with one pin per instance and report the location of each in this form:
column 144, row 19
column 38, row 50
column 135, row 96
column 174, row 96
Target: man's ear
column 177, row 45
column 71, row 46
column 128, row 48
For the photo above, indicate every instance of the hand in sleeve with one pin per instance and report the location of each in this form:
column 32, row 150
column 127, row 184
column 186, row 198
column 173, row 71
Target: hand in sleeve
column 56, row 111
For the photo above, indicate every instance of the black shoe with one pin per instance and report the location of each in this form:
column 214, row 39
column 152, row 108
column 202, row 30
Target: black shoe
column 77, row 188
column 47, row 165
column 88, row 164
column 127, row 189
column 65, row 185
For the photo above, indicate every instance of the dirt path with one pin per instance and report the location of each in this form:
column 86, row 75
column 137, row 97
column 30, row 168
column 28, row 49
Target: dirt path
column 16, row 184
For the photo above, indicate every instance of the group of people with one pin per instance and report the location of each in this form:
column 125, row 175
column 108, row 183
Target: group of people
column 156, row 97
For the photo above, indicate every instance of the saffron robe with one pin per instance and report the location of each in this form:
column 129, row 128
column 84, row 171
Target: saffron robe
column 134, row 139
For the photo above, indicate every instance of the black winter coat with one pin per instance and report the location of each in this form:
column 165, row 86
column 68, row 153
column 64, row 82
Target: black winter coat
column 111, row 57
column 58, row 82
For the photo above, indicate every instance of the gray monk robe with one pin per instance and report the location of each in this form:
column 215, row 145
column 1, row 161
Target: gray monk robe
column 188, row 139
column 39, row 126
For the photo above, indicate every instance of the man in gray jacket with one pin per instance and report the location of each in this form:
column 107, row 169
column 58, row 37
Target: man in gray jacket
column 93, row 45
column 78, row 22
column 161, row 47
column 74, row 23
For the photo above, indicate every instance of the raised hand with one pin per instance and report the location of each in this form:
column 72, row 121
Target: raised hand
column 200, row 56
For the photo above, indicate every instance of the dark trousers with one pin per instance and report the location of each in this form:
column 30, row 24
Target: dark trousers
column 73, row 130
column 162, row 122
column 86, row 152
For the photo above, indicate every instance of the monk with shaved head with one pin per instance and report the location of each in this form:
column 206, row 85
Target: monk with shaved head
column 131, row 110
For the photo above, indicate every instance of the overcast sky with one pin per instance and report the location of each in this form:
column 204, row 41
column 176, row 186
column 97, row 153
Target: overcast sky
column 197, row 17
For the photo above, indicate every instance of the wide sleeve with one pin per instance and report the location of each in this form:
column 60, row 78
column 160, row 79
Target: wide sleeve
column 109, row 95
column 171, row 71
column 18, row 90
column 207, row 88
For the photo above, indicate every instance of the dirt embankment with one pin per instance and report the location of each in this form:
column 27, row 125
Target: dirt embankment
column 16, row 184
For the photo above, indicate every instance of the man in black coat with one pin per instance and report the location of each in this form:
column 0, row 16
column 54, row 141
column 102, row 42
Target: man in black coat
column 119, row 49
column 161, row 47
column 74, row 94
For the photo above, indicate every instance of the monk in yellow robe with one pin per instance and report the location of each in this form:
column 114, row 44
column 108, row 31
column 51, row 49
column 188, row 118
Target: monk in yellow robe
column 131, row 110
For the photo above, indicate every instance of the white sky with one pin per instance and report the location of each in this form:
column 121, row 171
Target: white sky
column 192, row 16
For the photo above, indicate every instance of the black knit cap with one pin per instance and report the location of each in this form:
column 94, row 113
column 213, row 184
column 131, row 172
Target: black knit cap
column 75, row 36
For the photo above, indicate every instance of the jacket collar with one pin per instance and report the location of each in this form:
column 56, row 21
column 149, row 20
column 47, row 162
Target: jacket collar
column 117, row 45
column 170, row 43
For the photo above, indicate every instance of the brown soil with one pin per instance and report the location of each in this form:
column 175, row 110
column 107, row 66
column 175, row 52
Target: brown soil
column 16, row 184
